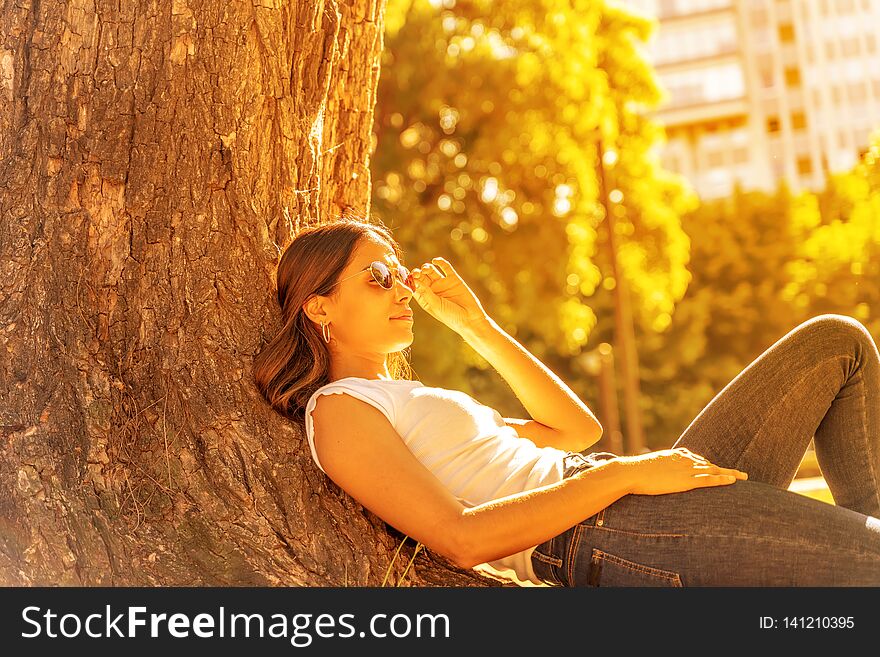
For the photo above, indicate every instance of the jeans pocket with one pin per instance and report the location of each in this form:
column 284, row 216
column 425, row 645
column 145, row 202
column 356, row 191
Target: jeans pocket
column 608, row 569
column 546, row 561
column 546, row 566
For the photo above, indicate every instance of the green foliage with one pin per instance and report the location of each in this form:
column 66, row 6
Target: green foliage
column 761, row 264
column 839, row 269
column 734, row 307
column 487, row 125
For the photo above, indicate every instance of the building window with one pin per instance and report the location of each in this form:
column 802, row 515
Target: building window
column 705, row 85
column 805, row 166
column 871, row 42
column 850, row 47
column 837, row 94
column 773, row 124
column 786, row 32
column 792, row 77
column 740, row 155
column 717, row 36
column 714, row 159
column 858, row 95
column 798, row 121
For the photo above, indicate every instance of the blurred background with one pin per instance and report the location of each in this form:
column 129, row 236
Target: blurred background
column 647, row 194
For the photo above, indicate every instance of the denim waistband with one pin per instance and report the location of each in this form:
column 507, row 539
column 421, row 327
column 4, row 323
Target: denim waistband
column 577, row 461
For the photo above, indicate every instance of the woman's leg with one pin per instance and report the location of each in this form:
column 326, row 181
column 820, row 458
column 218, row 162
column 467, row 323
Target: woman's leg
column 821, row 380
column 748, row 533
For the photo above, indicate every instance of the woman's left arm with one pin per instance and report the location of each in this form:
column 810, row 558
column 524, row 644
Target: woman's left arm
column 543, row 394
column 560, row 418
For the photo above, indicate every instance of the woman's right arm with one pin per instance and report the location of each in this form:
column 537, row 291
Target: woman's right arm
column 510, row 524
column 367, row 458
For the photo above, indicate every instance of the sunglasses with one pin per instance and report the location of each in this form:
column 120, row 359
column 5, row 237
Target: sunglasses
column 383, row 275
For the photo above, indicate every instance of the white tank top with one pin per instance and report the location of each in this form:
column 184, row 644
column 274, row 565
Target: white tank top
column 463, row 442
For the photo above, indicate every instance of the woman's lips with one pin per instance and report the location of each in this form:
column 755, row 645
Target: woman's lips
column 408, row 318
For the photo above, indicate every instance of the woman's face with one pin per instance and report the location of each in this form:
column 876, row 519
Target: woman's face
column 362, row 311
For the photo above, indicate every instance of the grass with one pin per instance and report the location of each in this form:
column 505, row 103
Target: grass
column 419, row 546
column 809, row 480
column 814, row 487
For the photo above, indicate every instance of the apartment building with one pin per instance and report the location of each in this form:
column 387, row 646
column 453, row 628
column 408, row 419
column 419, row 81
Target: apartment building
column 761, row 91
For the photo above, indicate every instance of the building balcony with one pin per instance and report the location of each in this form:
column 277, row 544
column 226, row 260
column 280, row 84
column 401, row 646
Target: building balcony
column 727, row 51
column 698, row 113
column 679, row 14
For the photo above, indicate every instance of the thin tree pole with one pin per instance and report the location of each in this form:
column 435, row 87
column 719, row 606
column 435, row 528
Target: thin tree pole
column 612, row 439
column 599, row 363
column 623, row 323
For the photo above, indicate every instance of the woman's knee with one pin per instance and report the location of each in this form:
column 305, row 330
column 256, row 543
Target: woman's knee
column 852, row 335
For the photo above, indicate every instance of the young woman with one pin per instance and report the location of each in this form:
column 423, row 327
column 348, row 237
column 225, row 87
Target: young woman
column 525, row 499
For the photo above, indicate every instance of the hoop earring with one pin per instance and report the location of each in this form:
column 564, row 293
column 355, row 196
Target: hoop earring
column 325, row 331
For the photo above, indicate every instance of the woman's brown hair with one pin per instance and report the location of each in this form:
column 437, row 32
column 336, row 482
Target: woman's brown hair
column 289, row 369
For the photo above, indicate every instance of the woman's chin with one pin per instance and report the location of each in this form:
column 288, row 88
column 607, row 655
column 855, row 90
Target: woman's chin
column 403, row 344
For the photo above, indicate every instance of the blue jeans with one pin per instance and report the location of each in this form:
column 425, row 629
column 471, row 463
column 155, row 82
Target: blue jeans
column 820, row 381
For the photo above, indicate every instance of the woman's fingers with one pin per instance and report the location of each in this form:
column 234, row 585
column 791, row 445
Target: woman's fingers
column 432, row 277
column 687, row 452
column 739, row 474
column 437, row 268
column 445, row 266
column 426, row 274
column 433, row 271
column 711, row 469
column 714, row 479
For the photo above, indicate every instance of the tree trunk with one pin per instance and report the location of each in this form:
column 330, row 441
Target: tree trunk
column 154, row 159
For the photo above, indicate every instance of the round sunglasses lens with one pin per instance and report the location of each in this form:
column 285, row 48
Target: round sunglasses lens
column 382, row 274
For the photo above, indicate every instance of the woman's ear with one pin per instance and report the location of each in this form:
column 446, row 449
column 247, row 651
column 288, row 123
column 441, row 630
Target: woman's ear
column 313, row 308
column 307, row 309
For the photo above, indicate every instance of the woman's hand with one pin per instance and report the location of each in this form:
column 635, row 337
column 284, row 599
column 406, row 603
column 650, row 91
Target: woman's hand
column 675, row 470
column 444, row 295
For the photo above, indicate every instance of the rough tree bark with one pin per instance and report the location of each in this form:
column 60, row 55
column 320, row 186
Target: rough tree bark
column 154, row 158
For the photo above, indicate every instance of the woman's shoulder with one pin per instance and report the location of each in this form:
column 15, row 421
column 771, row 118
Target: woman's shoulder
column 385, row 394
column 360, row 383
